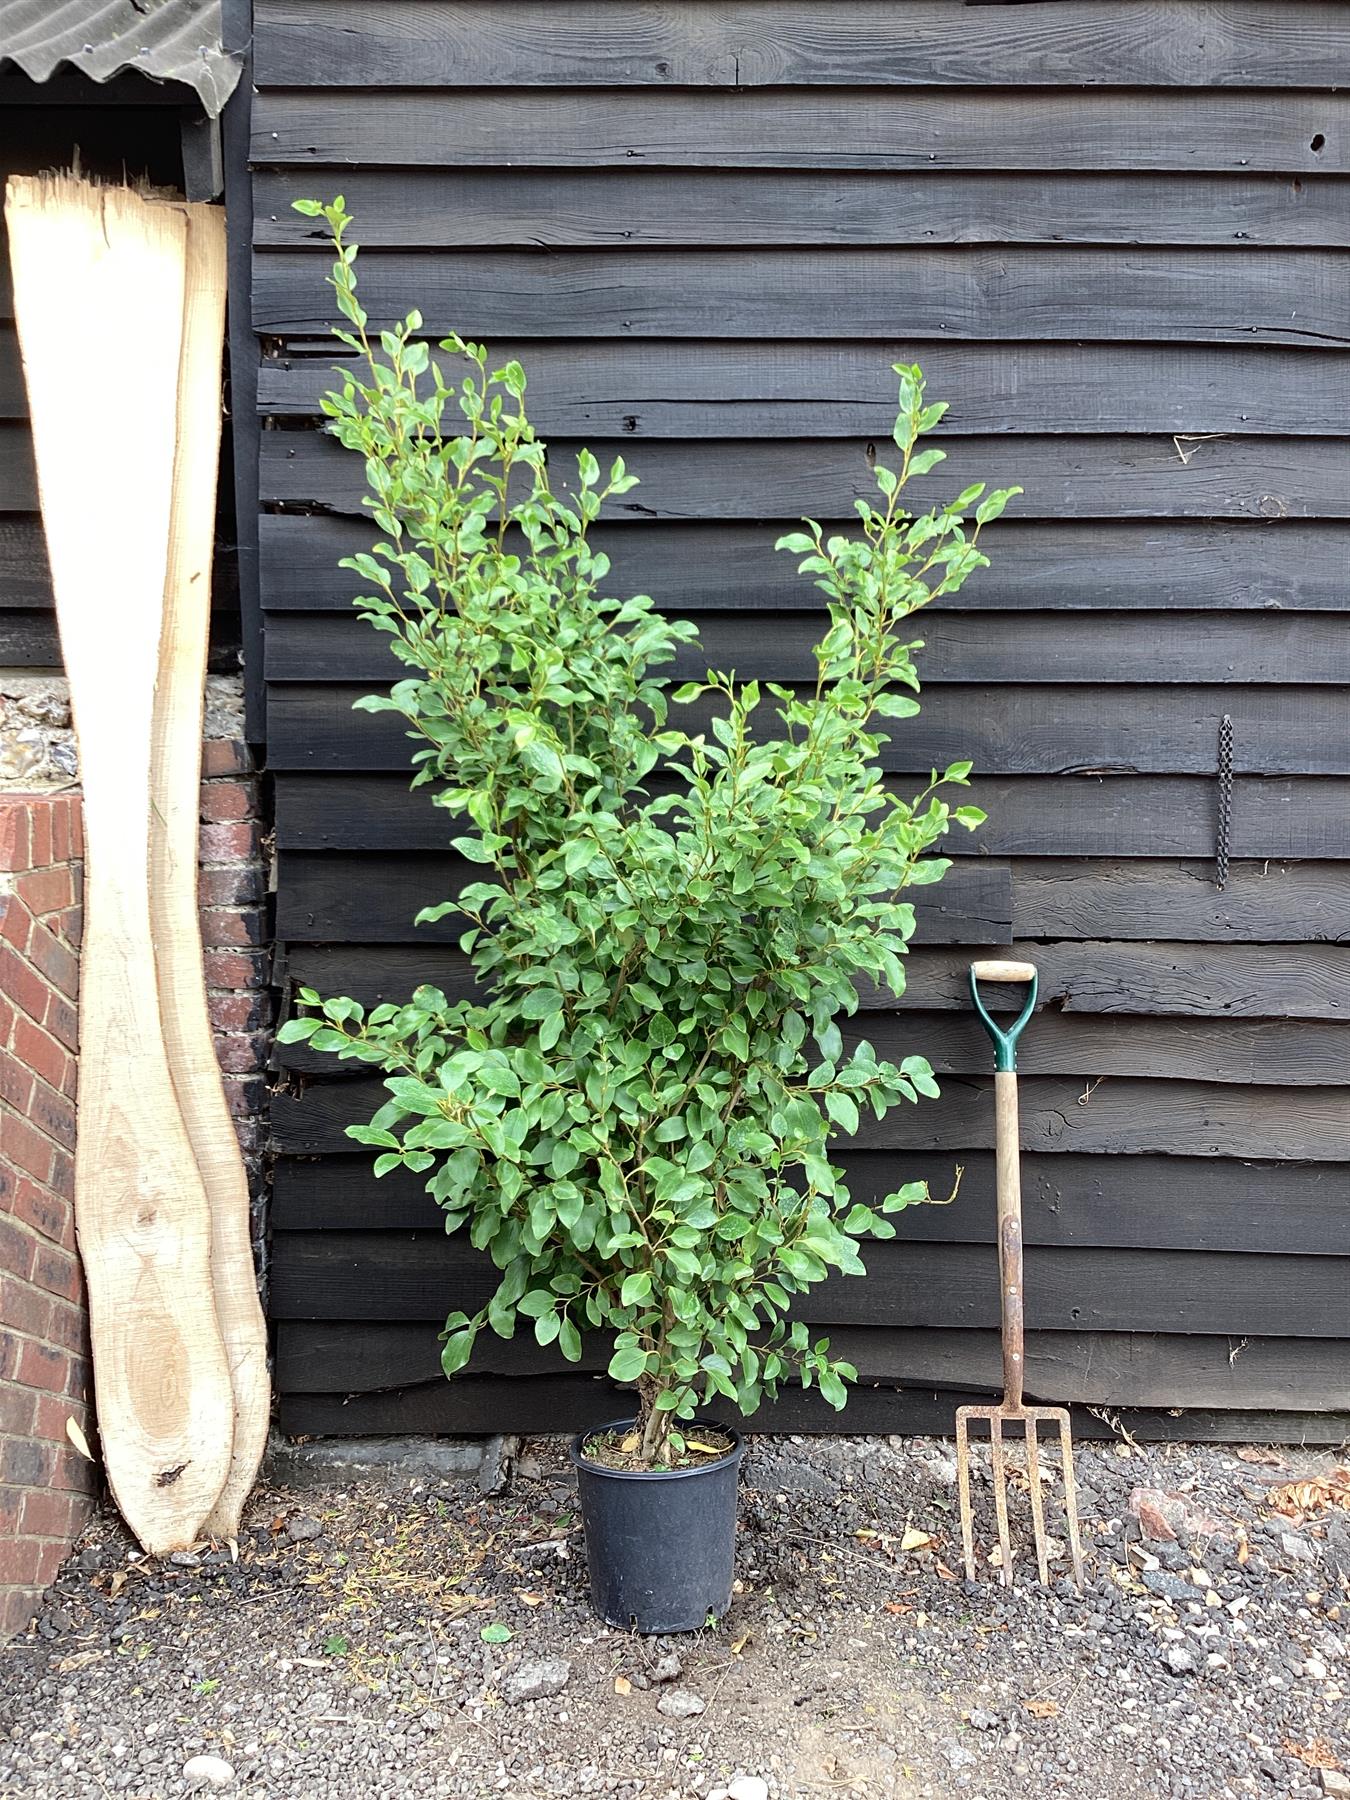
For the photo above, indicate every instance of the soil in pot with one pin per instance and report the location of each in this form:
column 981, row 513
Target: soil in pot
column 660, row 1543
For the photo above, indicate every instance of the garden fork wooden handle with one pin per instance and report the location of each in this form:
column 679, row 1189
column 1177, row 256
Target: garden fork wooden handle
column 1007, row 1164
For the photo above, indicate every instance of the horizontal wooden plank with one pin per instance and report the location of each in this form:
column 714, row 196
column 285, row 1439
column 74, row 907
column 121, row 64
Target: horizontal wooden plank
column 1272, row 1053
column 1003, row 731
column 1126, row 1202
column 1082, row 815
column 765, row 390
column 1066, row 1368
column 329, row 896
column 757, row 43
column 1127, row 566
column 1264, row 901
column 1121, row 1116
column 842, row 128
column 1248, row 296
column 408, row 1276
column 1154, row 980
column 1081, row 476
column 988, row 648
column 635, row 207
column 18, row 477
column 25, row 581
column 484, row 1406
column 13, row 395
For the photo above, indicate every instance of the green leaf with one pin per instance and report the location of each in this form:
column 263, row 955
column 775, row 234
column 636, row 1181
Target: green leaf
column 843, row 1110
column 496, row 1633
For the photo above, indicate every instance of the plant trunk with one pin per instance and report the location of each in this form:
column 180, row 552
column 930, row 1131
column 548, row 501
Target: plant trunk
column 652, row 1422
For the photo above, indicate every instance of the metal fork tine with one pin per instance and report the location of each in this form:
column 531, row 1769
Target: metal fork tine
column 963, row 1491
column 1037, row 1509
column 1001, row 1497
column 1071, row 1500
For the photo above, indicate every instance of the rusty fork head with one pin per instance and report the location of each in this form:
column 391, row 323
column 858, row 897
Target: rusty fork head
column 1029, row 1418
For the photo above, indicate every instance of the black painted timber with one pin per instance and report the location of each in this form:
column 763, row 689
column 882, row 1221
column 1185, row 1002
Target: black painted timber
column 1111, row 235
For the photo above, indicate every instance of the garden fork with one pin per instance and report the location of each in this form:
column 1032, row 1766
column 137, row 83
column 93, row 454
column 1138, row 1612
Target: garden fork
column 1012, row 1411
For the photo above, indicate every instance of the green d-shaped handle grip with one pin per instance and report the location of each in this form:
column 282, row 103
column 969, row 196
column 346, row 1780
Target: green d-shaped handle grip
column 1004, row 1037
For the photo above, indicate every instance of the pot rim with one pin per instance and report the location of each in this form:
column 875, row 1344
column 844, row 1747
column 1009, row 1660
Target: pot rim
column 580, row 1462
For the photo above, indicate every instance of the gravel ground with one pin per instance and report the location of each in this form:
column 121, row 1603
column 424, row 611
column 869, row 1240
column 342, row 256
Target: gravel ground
column 402, row 1637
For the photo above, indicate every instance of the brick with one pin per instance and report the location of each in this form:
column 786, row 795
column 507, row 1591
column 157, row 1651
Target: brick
column 47, row 890
column 232, row 884
column 26, row 1148
column 62, row 1020
column 58, row 1272
column 236, row 842
column 230, row 928
column 11, row 1509
column 53, row 1114
column 40, row 828
column 16, row 1082
column 242, row 1053
column 71, row 925
column 246, row 1096
column 14, row 836
column 52, row 1515
column 25, row 1462
column 23, row 1307
column 236, row 969
column 75, row 817
column 62, row 1178
column 22, row 985
column 21, row 1563
column 57, row 961
column 45, row 1211
column 7, row 1016
column 37, row 1051
column 18, row 1249
column 248, row 1011
column 43, row 1366
column 18, row 1405
column 222, row 801
column 225, row 756
column 15, row 922
column 79, row 1382
column 69, row 1327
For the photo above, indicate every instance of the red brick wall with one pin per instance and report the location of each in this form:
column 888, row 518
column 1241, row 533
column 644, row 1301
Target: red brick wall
column 45, row 1486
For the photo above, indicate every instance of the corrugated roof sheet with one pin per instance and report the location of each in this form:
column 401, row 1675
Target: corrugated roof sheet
column 172, row 40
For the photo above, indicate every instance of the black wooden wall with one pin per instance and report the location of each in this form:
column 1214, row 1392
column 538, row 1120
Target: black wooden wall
column 1114, row 233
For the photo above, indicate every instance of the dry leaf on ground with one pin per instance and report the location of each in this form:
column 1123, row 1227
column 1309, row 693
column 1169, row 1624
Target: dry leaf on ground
column 1298, row 1499
column 1042, row 1709
column 1315, row 1755
column 1249, row 1453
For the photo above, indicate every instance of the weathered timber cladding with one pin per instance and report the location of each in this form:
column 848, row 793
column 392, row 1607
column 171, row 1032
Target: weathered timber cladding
column 1115, row 238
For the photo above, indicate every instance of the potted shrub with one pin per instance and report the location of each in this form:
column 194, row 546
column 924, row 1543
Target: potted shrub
column 633, row 1117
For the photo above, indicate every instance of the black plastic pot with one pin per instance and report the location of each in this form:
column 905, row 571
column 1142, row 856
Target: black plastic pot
column 660, row 1543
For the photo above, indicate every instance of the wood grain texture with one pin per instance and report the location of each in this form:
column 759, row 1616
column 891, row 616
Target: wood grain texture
column 1264, row 901
column 399, row 1276
column 753, row 43
column 18, row 479
column 161, row 1377
column 175, row 806
column 1255, row 296
column 1121, row 1116
column 1084, row 815
column 1172, row 981
column 1144, row 565
column 635, row 207
column 680, row 389
column 1266, row 1052
column 1125, row 1202
column 976, row 647
column 856, row 128
column 329, row 897
column 1032, row 730
column 477, row 1406
column 1084, row 477
column 1098, row 1369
